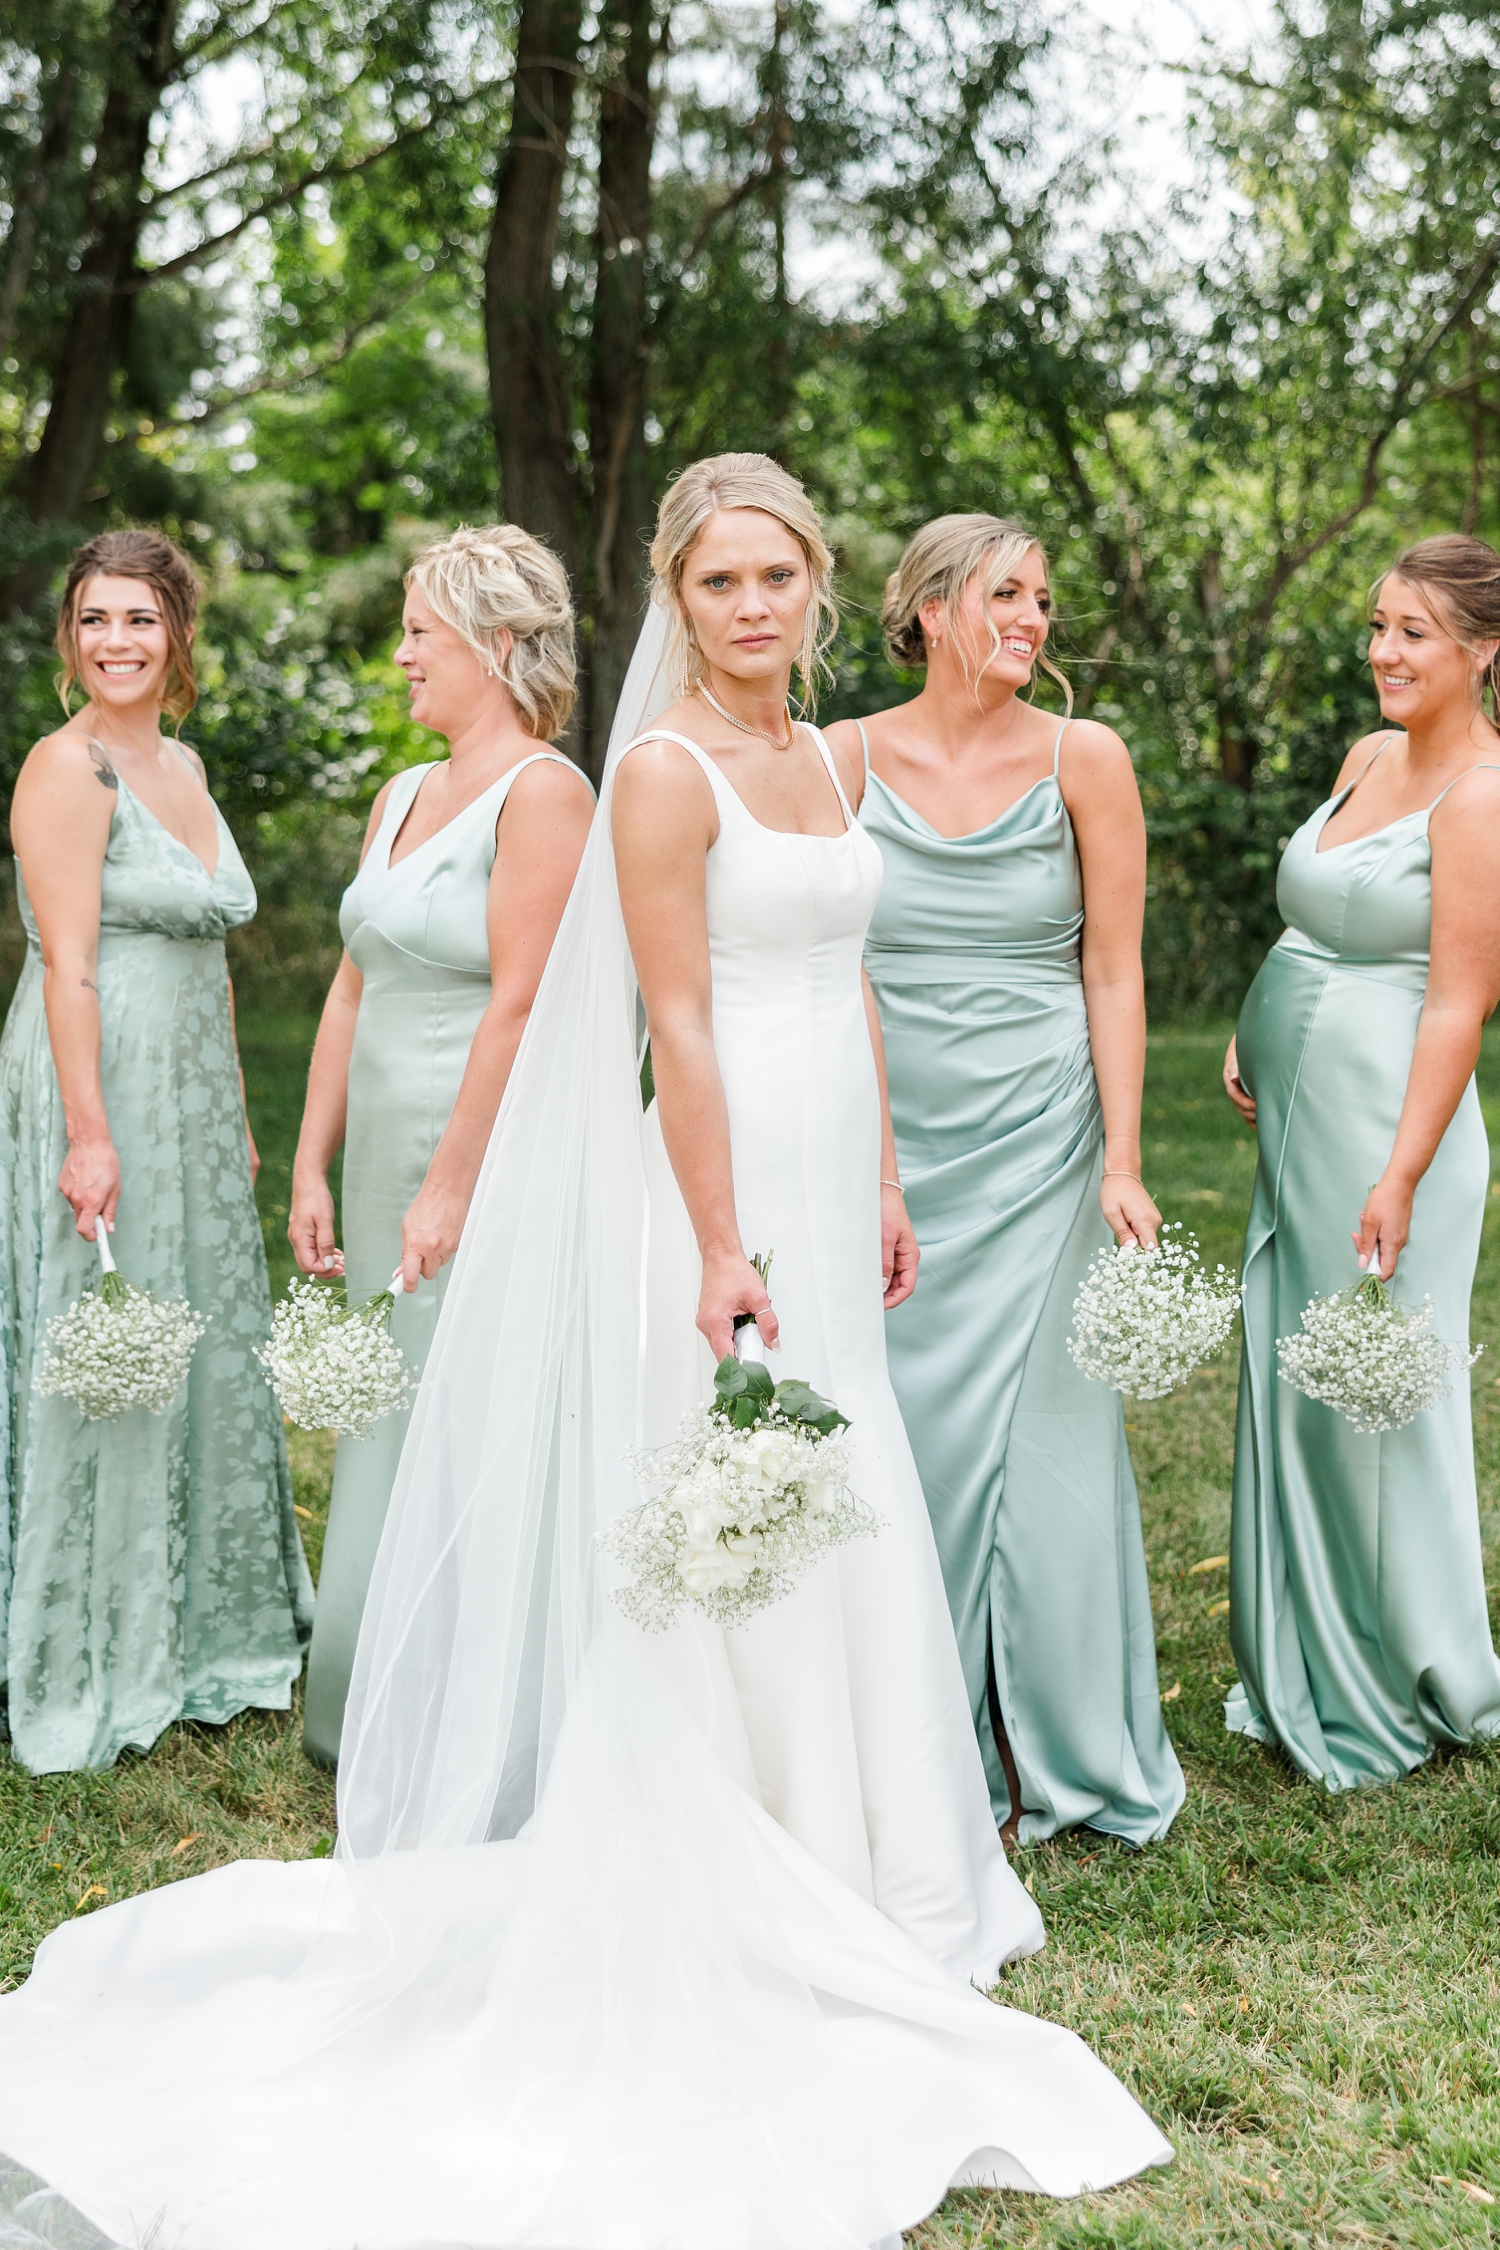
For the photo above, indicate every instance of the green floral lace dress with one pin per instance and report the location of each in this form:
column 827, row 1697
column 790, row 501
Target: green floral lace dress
column 150, row 1568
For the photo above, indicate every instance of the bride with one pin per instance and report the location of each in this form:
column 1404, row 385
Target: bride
column 632, row 1941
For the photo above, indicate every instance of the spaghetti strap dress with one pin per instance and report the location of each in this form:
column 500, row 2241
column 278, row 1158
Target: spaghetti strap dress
column 417, row 932
column 1357, row 1602
column 150, row 1568
column 973, row 952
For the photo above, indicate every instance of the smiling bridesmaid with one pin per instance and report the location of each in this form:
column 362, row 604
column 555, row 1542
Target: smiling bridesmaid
column 447, row 927
column 1005, row 953
column 150, row 1566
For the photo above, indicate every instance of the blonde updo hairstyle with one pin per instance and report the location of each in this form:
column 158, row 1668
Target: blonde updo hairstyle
column 737, row 480
column 1460, row 579
column 937, row 565
column 500, row 580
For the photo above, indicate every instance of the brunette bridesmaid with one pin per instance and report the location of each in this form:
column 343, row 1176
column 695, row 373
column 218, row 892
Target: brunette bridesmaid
column 1005, row 957
column 150, row 1568
column 447, row 926
column 1358, row 1611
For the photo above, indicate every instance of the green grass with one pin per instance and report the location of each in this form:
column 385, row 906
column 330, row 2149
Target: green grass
column 1303, row 1990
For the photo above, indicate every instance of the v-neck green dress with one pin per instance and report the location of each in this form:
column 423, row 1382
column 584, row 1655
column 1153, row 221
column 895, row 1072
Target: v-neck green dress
column 1357, row 1603
column 973, row 952
column 419, row 935
column 150, row 1568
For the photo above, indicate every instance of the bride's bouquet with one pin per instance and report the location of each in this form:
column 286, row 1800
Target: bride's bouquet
column 1144, row 1319
column 333, row 1365
column 749, row 1495
column 118, row 1347
column 1370, row 1357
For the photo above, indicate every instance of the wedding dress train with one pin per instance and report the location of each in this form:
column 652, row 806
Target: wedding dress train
column 632, row 1942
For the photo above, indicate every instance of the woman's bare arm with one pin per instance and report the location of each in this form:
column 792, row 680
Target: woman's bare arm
column 60, row 819
column 310, row 1227
column 1463, row 986
column 1104, row 805
column 899, row 1254
column 539, row 842
column 664, row 824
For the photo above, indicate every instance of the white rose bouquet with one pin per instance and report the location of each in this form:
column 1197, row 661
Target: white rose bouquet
column 1144, row 1319
column 1370, row 1357
column 333, row 1365
column 117, row 1346
column 750, row 1494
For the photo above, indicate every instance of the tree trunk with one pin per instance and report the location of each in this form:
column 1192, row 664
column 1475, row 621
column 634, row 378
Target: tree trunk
column 1238, row 749
column 54, row 481
column 530, row 399
column 621, row 504
column 35, row 187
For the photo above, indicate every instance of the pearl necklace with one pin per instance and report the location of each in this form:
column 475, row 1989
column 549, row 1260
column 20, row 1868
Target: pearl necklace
column 744, row 724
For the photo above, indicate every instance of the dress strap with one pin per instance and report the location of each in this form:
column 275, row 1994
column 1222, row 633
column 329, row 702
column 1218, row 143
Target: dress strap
column 833, row 772
column 1057, row 746
column 1482, row 765
column 1384, row 743
column 864, row 743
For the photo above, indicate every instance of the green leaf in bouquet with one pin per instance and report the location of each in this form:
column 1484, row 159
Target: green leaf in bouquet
column 804, row 1404
column 729, row 1379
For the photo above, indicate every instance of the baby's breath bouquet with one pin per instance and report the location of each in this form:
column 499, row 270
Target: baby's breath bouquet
column 748, row 1496
column 117, row 1346
column 1144, row 1319
column 1370, row 1357
column 333, row 1365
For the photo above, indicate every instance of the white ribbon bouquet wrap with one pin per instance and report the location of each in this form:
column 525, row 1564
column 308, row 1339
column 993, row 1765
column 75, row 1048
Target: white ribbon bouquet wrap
column 750, row 1494
column 333, row 1365
column 118, row 1346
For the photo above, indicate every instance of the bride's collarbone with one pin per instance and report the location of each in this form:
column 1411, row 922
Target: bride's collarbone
column 790, row 791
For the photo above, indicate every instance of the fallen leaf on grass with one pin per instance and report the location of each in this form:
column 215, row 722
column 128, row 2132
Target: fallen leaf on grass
column 95, row 1890
column 299, row 1510
column 183, row 1842
column 1209, row 1562
column 1217, row 1609
column 1480, row 2195
column 1173, row 1692
column 1189, row 2010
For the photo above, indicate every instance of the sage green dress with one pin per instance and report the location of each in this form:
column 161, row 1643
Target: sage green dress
column 973, row 952
column 419, row 936
column 1357, row 1604
column 150, row 1568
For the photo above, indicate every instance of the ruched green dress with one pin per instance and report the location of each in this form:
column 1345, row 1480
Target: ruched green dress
column 418, row 934
column 974, row 955
column 1357, row 1604
column 150, row 1567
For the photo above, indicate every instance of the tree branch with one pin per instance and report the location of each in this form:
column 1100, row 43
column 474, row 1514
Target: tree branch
column 266, row 386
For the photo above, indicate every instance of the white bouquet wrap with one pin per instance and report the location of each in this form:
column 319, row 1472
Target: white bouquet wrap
column 750, row 1494
column 1370, row 1357
column 1144, row 1319
column 118, row 1347
column 333, row 1365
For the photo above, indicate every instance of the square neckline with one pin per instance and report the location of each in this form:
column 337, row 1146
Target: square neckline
column 711, row 769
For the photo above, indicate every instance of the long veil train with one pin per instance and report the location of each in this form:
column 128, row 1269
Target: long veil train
column 565, row 1983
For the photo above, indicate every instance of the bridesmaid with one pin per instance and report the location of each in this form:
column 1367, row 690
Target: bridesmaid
column 447, row 926
column 1005, row 956
column 149, row 1567
column 1357, row 1597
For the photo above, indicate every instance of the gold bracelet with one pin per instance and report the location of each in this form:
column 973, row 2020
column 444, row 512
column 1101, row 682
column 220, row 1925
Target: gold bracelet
column 896, row 1184
column 1113, row 1172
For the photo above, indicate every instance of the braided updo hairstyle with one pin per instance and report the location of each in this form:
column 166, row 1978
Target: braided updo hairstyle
column 1460, row 577
column 495, row 580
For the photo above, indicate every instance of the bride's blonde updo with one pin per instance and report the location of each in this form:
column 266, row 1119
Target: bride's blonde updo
column 737, row 480
column 937, row 565
column 500, row 580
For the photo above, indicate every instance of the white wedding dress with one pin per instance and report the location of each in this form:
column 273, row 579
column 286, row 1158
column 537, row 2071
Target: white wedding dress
column 632, row 1942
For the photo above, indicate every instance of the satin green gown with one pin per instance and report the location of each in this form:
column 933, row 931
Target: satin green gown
column 973, row 952
column 1357, row 1603
column 417, row 933
column 150, row 1568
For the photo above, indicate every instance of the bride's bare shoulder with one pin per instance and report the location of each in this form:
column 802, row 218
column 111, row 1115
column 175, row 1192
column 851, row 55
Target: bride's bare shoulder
column 661, row 784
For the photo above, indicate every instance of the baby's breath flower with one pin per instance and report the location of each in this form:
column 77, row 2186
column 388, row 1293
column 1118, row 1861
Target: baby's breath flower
column 1370, row 1357
column 1144, row 1319
column 334, row 1366
column 749, row 1495
column 117, row 1347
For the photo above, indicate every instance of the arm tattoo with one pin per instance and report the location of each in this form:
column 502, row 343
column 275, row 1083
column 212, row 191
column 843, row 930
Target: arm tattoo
column 89, row 987
column 103, row 770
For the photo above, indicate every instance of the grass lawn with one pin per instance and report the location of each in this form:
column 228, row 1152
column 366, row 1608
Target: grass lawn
column 1304, row 1991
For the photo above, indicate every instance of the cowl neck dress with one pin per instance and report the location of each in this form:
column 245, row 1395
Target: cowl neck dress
column 417, row 932
column 150, row 1567
column 1357, row 1597
column 973, row 951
